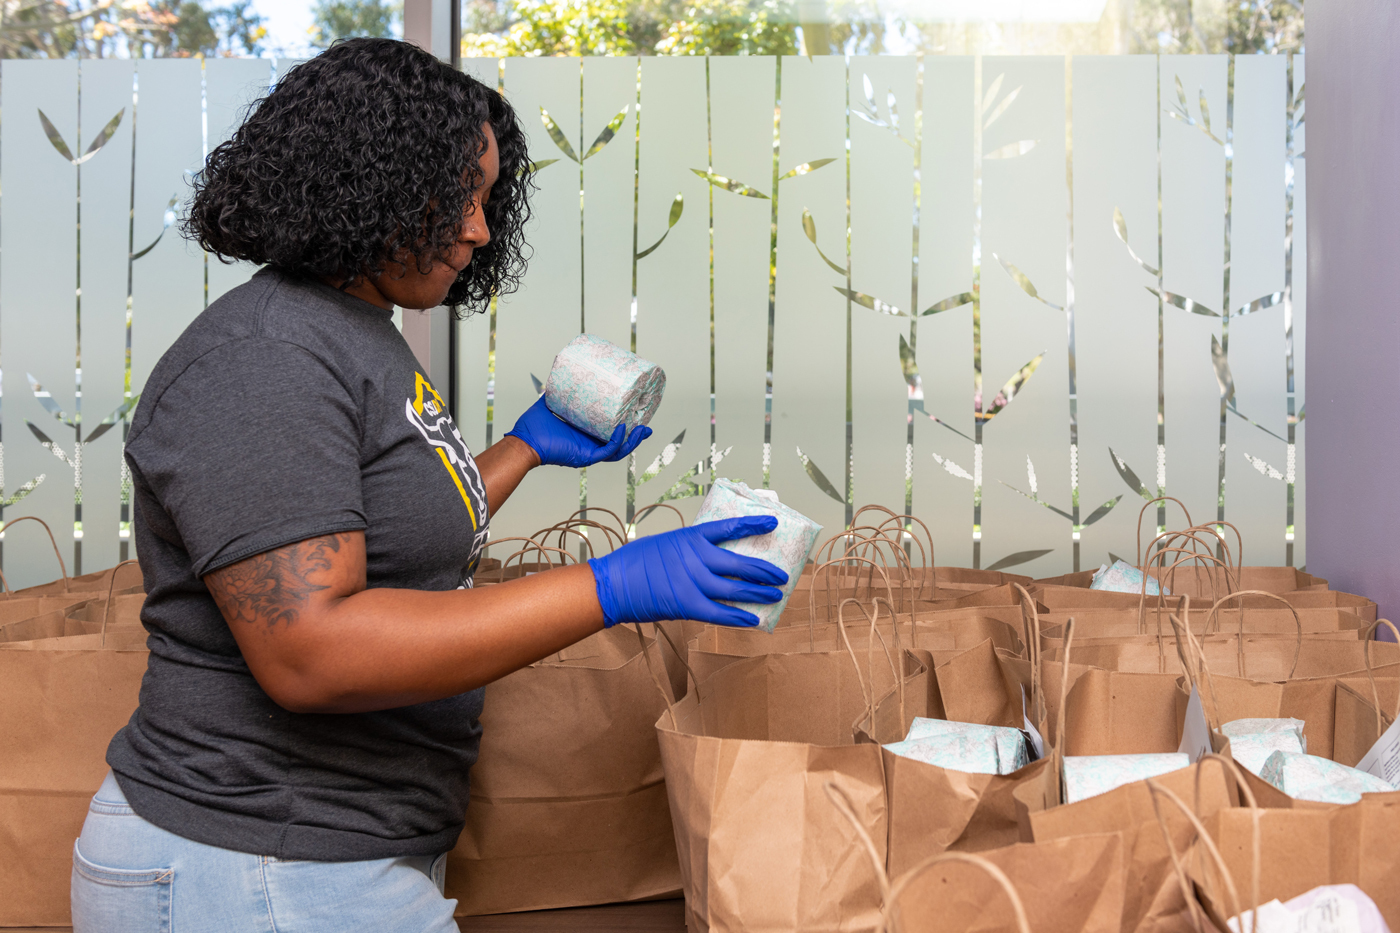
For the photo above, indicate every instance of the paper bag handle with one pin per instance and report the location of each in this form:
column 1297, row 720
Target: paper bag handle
column 62, row 567
column 927, row 558
column 1297, row 651
column 1155, row 790
column 855, row 544
column 1030, row 625
column 1193, row 662
column 868, row 690
column 544, row 551
column 1169, row 574
column 1143, row 511
column 583, row 515
column 667, row 700
column 107, row 604
column 637, row 517
column 1057, row 748
column 1371, row 674
column 562, row 529
column 889, row 893
column 812, row 592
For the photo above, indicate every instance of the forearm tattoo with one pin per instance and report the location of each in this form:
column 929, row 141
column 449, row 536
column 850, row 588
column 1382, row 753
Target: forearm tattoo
column 275, row 586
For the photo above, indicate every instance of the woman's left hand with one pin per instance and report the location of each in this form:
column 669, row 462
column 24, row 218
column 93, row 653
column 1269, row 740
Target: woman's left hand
column 558, row 443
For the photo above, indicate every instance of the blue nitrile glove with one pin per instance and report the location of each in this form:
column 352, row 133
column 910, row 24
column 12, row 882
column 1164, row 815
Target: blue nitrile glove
column 559, row 443
column 679, row 575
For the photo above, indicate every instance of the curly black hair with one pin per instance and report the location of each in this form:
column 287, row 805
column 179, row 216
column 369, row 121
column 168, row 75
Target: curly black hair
column 365, row 152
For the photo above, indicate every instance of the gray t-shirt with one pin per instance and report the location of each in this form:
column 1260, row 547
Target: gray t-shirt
column 289, row 410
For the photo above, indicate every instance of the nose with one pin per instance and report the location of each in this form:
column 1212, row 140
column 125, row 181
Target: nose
column 475, row 232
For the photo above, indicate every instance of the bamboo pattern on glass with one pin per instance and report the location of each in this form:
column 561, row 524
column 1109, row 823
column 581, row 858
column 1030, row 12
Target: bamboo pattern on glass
column 667, row 473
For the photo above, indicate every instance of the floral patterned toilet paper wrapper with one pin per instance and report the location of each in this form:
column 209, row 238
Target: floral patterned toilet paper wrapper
column 1122, row 577
column 786, row 546
column 964, row 746
column 1090, row 775
column 596, row 385
column 1308, row 777
column 1252, row 741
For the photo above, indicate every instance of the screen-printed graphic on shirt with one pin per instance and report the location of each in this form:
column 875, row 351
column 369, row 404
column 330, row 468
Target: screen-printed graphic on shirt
column 427, row 412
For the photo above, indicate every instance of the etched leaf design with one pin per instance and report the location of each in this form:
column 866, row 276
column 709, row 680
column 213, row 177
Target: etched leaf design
column 910, row 367
column 1022, row 280
column 1120, row 227
column 1012, row 150
column 1020, row 557
column 46, row 399
column 1264, row 468
column 24, row 490
column 539, row 386
column 1009, row 390
column 1182, row 302
column 677, row 207
column 991, row 95
column 893, row 106
column 953, row 468
column 535, row 166
column 1260, row 304
column 168, row 220
column 103, row 136
column 1181, row 95
column 1102, row 510
column 557, row 135
column 1205, row 111
column 1006, row 102
column 818, row 477
column 874, row 304
column 869, row 91
column 1129, row 477
column 806, row 168
column 948, row 304
column 729, row 184
column 1038, row 501
column 55, row 137
column 809, row 226
column 663, row 459
column 1223, row 377
column 49, row 445
column 608, row 133
column 113, row 419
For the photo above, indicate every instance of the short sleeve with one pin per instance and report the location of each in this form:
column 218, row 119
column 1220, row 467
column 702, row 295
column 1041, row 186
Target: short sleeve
column 255, row 445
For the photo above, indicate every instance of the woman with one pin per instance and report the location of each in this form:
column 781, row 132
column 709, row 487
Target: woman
column 309, row 521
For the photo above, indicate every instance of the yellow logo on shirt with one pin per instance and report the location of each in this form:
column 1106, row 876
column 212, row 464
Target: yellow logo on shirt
column 426, row 412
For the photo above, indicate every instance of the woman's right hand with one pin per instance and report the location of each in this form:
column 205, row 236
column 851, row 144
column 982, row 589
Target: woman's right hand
column 679, row 575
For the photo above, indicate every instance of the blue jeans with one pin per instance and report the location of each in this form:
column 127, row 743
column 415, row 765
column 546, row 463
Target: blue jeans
column 132, row 877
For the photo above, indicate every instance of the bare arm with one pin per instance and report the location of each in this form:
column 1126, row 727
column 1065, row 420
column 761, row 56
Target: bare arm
column 503, row 465
column 318, row 641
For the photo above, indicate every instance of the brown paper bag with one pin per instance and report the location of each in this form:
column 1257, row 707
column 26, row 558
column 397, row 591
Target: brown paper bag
column 1076, row 884
column 1118, row 713
column 1152, row 898
column 568, row 806
column 1263, row 620
column 933, row 809
column 746, row 757
column 64, row 699
column 1300, row 850
column 1067, row 884
column 1365, row 708
column 716, row 646
column 1229, row 698
column 1258, row 657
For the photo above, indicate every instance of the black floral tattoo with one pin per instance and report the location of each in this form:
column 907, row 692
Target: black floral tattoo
column 273, row 587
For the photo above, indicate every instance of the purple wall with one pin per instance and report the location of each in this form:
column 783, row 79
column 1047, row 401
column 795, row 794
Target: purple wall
column 1352, row 392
